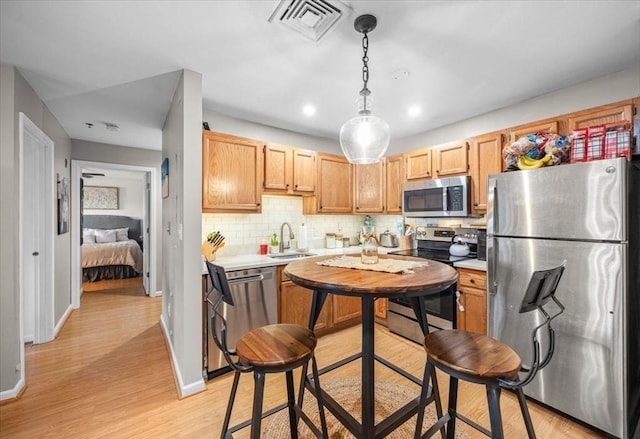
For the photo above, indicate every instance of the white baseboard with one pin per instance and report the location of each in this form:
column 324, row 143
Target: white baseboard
column 62, row 321
column 184, row 390
column 13, row 393
column 156, row 294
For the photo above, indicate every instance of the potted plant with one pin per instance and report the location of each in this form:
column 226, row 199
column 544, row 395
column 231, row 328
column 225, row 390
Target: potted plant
column 274, row 244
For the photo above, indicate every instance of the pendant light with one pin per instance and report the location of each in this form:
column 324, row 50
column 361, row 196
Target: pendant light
column 365, row 138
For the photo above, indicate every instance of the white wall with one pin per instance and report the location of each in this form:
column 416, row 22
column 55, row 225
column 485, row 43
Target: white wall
column 181, row 228
column 16, row 95
column 130, row 195
column 605, row 90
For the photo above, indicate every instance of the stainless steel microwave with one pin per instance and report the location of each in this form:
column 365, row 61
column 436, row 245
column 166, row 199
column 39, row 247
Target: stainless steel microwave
column 444, row 197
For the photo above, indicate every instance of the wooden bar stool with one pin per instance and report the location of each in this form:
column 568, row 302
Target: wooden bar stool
column 269, row 349
column 480, row 359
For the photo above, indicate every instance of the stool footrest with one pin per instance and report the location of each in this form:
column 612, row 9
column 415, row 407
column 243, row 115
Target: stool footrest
column 473, row 424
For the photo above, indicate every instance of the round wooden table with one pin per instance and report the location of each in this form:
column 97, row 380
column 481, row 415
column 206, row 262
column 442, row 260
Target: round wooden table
column 370, row 285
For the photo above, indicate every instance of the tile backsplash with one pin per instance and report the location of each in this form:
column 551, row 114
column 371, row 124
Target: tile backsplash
column 244, row 232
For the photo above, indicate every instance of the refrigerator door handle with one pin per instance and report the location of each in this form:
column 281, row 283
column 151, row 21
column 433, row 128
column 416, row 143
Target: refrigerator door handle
column 493, row 258
column 493, row 190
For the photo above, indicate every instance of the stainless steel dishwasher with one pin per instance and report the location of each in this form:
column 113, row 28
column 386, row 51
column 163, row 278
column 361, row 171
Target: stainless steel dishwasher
column 255, row 297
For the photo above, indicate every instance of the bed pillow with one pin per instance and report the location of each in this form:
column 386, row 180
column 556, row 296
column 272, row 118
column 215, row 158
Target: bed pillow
column 88, row 236
column 105, row 236
column 122, row 234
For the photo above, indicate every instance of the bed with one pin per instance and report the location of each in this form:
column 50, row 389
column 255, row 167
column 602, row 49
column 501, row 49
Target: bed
column 111, row 247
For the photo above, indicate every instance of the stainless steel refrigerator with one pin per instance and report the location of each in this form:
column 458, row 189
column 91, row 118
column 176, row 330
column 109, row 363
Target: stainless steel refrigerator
column 586, row 214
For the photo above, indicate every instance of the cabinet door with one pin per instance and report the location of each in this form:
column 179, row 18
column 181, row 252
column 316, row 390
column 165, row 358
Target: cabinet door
column 369, row 188
column 550, row 126
column 231, row 173
column 395, row 178
column 451, row 159
column 472, row 286
column 485, row 158
column 278, row 161
column 418, row 164
column 604, row 115
column 295, row 306
column 381, row 308
column 346, row 308
column 304, row 171
column 335, row 184
column 474, row 316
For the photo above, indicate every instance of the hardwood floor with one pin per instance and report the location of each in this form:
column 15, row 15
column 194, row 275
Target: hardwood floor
column 108, row 375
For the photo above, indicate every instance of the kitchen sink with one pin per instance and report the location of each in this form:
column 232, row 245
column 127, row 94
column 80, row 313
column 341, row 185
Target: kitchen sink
column 291, row 255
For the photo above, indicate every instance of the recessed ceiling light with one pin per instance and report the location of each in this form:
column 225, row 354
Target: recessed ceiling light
column 414, row 110
column 309, row 110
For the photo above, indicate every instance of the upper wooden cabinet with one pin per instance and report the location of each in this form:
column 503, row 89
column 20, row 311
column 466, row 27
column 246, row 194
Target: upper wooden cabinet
column 418, row 164
column 369, row 188
column 231, row 173
column 549, row 126
column 601, row 116
column 288, row 170
column 485, row 158
column 334, row 190
column 394, row 180
column 450, row 159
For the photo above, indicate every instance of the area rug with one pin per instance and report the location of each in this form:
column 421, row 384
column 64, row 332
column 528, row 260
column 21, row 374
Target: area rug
column 389, row 397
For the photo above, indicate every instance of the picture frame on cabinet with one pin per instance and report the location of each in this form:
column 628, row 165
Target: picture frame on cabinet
column 165, row 177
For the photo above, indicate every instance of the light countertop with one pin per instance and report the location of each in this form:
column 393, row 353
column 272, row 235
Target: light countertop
column 473, row 264
column 246, row 261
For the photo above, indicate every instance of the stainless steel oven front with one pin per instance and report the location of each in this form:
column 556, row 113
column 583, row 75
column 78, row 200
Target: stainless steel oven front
column 440, row 314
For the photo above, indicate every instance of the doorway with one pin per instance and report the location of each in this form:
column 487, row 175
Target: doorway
column 37, row 229
column 148, row 214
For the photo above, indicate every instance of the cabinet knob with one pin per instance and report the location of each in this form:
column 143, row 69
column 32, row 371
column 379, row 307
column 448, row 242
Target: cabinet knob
column 472, row 281
column 287, row 186
column 475, row 204
column 295, row 187
column 258, row 204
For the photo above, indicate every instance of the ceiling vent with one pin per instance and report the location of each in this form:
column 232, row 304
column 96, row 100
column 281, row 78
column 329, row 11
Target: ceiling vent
column 310, row 18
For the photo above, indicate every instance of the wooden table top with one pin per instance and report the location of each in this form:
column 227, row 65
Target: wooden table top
column 434, row 277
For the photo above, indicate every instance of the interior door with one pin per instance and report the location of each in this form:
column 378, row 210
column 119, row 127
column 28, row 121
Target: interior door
column 146, row 233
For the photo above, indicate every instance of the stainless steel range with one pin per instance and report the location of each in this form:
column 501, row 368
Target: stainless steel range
column 432, row 243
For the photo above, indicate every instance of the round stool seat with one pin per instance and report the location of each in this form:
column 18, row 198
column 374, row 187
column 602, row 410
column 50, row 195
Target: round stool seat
column 471, row 354
column 276, row 346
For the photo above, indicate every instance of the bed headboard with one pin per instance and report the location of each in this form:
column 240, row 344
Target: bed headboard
column 115, row 222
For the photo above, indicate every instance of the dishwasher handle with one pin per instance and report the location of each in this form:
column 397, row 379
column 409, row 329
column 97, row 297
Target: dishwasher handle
column 236, row 281
column 245, row 279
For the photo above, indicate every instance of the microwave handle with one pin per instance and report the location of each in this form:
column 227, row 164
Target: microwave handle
column 444, row 199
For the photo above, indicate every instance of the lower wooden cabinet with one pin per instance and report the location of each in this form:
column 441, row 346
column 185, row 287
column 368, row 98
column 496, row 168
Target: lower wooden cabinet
column 380, row 309
column 472, row 286
column 294, row 306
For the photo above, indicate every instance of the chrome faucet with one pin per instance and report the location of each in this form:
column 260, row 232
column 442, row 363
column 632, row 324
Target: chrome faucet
column 283, row 247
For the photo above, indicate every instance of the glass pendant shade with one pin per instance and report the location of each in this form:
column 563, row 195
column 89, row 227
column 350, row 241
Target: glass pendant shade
column 364, row 139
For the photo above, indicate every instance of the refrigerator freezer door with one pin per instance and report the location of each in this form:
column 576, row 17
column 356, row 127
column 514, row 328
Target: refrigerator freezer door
column 584, row 201
column 586, row 377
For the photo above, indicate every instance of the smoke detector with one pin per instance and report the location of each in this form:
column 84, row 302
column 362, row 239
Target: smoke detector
column 112, row 127
column 310, row 18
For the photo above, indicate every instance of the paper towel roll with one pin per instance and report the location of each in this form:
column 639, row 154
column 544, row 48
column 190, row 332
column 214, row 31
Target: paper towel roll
column 303, row 242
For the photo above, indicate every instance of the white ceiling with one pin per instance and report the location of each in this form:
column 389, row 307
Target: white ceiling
column 119, row 62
